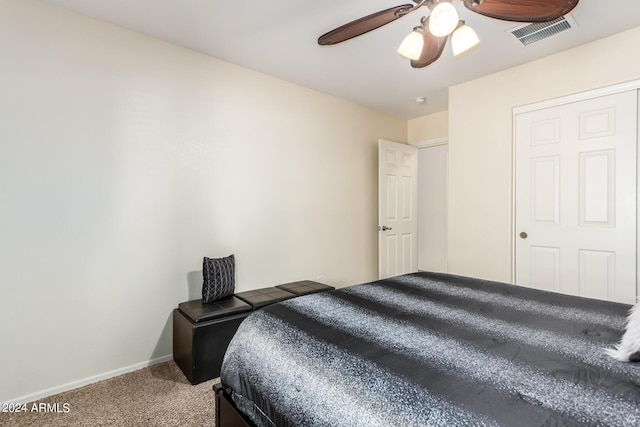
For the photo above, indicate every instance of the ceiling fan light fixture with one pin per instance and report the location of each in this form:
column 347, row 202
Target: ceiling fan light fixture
column 411, row 46
column 463, row 39
column 443, row 20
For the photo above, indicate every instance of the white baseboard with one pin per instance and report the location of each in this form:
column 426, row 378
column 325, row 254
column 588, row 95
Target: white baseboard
column 86, row 381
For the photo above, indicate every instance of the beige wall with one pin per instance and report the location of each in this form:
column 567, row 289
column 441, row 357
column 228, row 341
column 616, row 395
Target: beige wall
column 432, row 126
column 480, row 143
column 125, row 160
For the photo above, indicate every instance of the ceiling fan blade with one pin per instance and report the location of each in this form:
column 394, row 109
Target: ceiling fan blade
column 432, row 49
column 523, row 10
column 363, row 25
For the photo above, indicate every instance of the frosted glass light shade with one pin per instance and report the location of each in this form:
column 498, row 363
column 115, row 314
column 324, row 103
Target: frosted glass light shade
column 411, row 46
column 443, row 20
column 463, row 39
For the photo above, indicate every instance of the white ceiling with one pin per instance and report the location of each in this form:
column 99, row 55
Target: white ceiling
column 279, row 38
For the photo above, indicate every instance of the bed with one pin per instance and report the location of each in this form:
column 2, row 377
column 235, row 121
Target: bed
column 430, row 349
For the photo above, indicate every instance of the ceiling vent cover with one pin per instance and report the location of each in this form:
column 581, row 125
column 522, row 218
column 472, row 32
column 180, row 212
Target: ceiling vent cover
column 531, row 33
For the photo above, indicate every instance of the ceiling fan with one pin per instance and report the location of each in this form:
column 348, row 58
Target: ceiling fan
column 426, row 42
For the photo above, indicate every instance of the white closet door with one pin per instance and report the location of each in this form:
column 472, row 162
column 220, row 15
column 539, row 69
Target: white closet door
column 576, row 198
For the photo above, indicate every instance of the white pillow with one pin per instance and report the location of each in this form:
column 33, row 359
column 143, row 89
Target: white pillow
column 628, row 350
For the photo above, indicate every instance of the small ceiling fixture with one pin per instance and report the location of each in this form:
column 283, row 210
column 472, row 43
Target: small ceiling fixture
column 426, row 42
column 419, row 100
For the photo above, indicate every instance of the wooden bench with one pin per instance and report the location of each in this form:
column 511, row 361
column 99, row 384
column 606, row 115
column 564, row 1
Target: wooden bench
column 202, row 332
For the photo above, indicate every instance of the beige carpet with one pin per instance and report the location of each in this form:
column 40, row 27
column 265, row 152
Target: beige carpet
column 156, row 396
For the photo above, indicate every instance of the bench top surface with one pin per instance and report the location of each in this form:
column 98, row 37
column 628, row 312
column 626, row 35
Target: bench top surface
column 199, row 312
column 305, row 287
column 248, row 301
column 260, row 297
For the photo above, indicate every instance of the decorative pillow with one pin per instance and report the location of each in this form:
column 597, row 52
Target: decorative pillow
column 219, row 278
column 628, row 350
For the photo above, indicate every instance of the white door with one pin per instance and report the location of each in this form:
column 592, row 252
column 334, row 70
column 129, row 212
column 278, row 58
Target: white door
column 397, row 208
column 576, row 198
column 432, row 208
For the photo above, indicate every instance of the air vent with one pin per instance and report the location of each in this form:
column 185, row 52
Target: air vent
column 531, row 33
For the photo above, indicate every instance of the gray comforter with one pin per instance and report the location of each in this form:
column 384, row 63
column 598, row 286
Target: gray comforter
column 433, row 349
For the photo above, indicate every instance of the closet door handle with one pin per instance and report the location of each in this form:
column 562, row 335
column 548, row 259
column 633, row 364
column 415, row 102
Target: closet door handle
column 385, row 228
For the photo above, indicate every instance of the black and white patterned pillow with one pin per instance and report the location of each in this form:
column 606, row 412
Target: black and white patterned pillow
column 219, row 278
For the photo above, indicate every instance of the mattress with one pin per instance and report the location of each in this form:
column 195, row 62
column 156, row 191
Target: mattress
column 433, row 349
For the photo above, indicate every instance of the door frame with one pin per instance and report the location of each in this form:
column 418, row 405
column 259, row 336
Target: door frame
column 576, row 97
column 430, row 143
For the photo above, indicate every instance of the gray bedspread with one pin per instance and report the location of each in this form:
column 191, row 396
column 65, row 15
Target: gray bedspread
column 433, row 349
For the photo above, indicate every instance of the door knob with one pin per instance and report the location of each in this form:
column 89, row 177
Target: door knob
column 523, row 235
column 385, row 228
